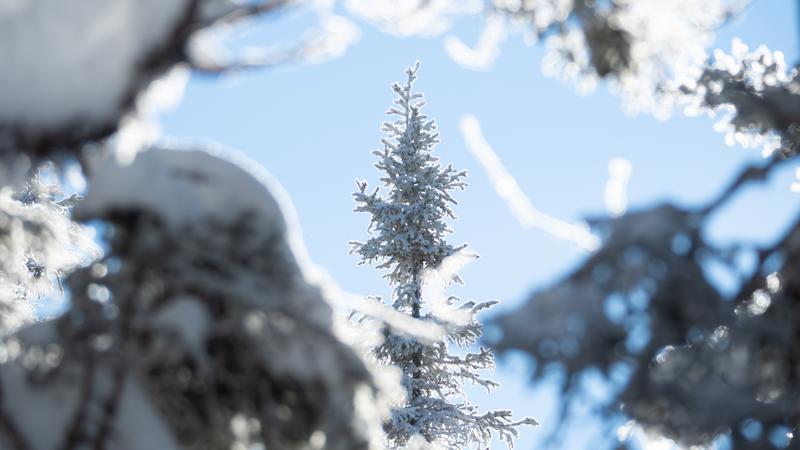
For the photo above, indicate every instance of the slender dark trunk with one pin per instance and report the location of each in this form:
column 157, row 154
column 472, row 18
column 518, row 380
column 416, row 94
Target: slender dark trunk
column 9, row 428
column 416, row 357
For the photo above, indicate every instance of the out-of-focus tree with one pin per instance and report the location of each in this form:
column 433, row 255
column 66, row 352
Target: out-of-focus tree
column 684, row 360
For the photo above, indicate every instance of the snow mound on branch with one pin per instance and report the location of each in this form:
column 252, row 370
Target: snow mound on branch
column 189, row 189
column 72, row 69
column 183, row 187
column 241, row 345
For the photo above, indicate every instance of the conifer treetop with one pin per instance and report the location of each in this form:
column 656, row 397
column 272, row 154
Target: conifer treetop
column 408, row 233
column 407, row 223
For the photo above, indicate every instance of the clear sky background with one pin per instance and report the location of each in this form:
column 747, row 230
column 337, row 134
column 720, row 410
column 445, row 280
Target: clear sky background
column 314, row 126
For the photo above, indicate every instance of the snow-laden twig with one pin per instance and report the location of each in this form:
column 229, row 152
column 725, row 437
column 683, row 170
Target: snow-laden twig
column 486, row 50
column 615, row 195
column 422, row 330
column 435, row 282
column 509, row 190
column 332, row 36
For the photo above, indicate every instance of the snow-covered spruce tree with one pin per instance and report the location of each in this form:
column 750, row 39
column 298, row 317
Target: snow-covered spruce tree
column 408, row 230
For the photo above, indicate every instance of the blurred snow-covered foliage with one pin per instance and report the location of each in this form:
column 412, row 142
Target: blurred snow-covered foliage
column 758, row 95
column 38, row 245
column 681, row 359
column 653, row 53
column 200, row 313
column 645, row 48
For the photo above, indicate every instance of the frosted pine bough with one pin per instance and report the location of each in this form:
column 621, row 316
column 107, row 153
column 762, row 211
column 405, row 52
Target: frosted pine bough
column 408, row 230
column 39, row 244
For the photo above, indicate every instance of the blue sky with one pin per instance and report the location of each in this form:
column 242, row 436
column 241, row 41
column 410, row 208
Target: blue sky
column 314, row 126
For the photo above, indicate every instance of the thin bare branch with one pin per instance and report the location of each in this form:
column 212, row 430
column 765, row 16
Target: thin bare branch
column 236, row 11
column 754, row 172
